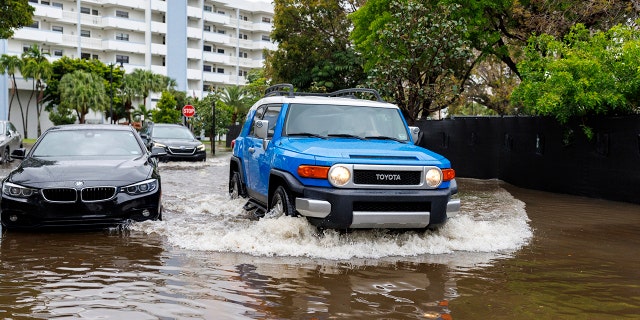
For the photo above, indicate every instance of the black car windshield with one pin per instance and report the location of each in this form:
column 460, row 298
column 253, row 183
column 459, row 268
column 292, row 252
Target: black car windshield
column 172, row 132
column 64, row 143
column 345, row 121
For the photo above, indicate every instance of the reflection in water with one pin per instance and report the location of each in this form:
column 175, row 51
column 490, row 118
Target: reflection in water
column 207, row 260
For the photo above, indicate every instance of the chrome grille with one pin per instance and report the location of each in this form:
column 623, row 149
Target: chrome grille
column 98, row 193
column 60, row 195
column 383, row 177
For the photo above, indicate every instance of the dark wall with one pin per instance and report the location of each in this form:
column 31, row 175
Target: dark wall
column 539, row 153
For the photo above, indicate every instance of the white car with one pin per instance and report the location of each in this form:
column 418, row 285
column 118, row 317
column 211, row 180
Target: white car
column 10, row 140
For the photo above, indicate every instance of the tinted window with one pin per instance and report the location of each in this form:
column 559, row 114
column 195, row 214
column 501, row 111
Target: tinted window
column 87, row 143
column 171, row 132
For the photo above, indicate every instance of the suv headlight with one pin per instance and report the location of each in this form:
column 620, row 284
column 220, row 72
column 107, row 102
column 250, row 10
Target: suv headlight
column 146, row 186
column 200, row 147
column 433, row 177
column 339, row 175
column 159, row 145
column 17, row 191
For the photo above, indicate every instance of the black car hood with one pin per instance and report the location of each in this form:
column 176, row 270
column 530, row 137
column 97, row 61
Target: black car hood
column 189, row 143
column 38, row 172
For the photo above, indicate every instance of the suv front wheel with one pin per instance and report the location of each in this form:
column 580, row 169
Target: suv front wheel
column 235, row 186
column 281, row 204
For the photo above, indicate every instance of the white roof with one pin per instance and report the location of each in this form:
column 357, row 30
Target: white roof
column 323, row 100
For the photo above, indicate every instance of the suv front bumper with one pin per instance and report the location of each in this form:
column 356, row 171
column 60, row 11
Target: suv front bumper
column 376, row 208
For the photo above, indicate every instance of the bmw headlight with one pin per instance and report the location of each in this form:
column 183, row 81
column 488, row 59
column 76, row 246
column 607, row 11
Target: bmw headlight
column 339, row 175
column 17, row 191
column 433, row 177
column 146, row 186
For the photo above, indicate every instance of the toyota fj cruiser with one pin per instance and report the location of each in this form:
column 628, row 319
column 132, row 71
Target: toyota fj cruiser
column 341, row 161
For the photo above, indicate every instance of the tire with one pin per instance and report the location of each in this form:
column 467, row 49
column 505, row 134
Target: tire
column 5, row 156
column 236, row 189
column 281, row 204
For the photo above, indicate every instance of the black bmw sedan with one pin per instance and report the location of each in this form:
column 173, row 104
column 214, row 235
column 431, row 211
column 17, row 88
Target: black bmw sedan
column 82, row 176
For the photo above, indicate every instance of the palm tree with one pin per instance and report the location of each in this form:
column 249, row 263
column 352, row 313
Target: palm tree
column 236, row 98
column 82, row 91
column 142, row 112
column 10, row 64
column 142, row 82
column 36, row 66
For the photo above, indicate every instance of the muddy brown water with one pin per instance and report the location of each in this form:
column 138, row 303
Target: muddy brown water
column 511, row 254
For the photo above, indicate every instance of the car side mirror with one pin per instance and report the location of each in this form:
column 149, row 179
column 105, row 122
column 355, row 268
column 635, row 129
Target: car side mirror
column 144, row 136
column 260, row 128
column 157, row 152
column 19, row 153
column 416, row 135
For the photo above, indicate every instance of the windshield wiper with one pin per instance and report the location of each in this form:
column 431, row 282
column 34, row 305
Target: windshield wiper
column 345, row 135
column 307, row 134
column 384, row 138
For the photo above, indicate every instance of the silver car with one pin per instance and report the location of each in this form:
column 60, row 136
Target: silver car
column 10, row 139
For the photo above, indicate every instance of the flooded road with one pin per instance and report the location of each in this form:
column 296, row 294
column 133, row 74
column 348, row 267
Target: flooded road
column 511, row 253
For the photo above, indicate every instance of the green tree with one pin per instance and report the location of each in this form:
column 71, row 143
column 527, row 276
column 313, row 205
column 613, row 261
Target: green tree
column 415, row 52
column 166, row 111
column 9, row 64
column 61, row 115
column 140, row 83
column 81, row 92
column 314, row 51
column 142, row 113
column 203, row 121
column 584, row 75
column 15, row 14
column 235, row 97
column 37, row 67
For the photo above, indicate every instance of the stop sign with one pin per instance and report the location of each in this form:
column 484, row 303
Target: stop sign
column 188, row 111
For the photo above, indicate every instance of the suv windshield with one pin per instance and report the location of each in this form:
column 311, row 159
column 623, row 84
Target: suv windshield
column 345, row 121
column 172, row 132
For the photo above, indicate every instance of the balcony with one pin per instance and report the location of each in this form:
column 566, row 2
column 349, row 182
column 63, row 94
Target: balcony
column 211, row 57
column 47, row 12
column 158, row 5
column 158, row 49
column 216, row 17
column 216, row 37
column 194, row 53
column 38, row 35
column 124, row 46
column 158, row 27
column 194, row 33
column 194, row 12
column 122, row 23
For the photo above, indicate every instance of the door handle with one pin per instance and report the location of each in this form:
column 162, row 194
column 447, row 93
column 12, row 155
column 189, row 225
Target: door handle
column 252, row 150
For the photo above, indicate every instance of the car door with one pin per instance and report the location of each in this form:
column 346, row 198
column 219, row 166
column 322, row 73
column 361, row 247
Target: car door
column 257, row 158
column 15, row 136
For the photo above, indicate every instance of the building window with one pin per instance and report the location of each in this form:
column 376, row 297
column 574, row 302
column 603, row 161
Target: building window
column 85, row 10
column 33, row 1
column 207, row 28
column 57, row 29
column 242, row 73
column 221, row 12
column 57, row 53
column 221, row 51
column 122, row 59
column 85, row 33
column 44, row 3
column 265, row 38
column 95, row 56
column 122, row 36
column 243, row 54
column 35, row 25
column 220, row 70
column 122, row 14
column 243, row 18
column 206, row 87
column 242, row 36
column 94, row 12
column 25, row 48
column 85, row 56
column 206, row 68
column 208, row 8
column 207, row 48
column 266, row 19
column 57, row 5
column 222, row 31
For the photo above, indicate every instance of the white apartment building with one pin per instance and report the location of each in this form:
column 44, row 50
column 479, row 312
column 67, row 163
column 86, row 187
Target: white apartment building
column 202, row 44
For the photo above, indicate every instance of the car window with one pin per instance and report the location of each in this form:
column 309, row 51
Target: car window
column 171, row 132
column 87, row 143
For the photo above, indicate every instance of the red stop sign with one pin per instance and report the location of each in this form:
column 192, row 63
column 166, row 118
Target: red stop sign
column 188, row 111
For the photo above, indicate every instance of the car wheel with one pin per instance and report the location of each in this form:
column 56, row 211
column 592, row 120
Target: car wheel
column 235, row 186
column 5, row 156
column 281, row 204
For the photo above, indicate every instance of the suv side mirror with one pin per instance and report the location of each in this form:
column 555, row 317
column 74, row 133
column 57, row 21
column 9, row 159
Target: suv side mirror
column 18, row 153
column 415, row 134
column 260, row 128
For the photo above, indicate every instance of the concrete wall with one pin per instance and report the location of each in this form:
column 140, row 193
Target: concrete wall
column 539, row 153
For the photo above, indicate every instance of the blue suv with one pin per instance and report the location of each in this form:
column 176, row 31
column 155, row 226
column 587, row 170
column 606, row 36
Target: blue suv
column 341, row 161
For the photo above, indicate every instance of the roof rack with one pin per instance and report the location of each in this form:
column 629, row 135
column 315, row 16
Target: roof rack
column 282, row 89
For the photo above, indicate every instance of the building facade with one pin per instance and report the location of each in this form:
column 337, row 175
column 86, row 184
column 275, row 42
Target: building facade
column 202, row 44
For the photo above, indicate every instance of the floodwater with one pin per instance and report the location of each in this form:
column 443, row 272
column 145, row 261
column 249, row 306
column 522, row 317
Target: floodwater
column 510, row 254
